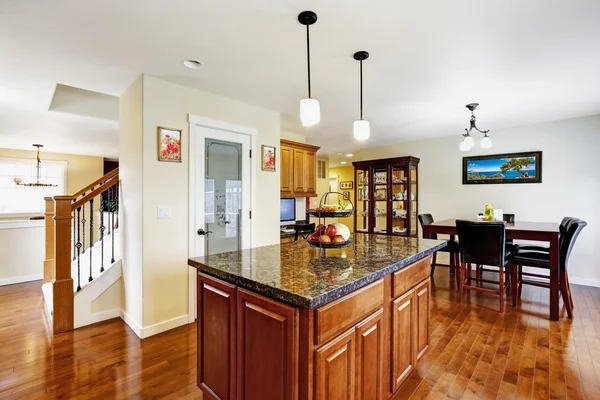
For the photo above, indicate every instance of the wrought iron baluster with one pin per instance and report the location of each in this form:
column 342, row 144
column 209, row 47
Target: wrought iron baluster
column 109, row 206
column 102, row 228
column 91, row 236
column 74, row 242
column 83, row 221
column 78, row 246
column 112, row 215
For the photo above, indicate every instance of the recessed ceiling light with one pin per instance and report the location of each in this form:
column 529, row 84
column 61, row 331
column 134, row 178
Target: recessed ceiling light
column 343, row 162
column 192, row 64
column 349, row 155
column 339, row 154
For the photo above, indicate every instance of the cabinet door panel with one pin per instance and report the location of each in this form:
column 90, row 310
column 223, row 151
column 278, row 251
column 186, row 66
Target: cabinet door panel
column 403, row 347
column 287, row 168
column 299, row 173
column 310, row 171
column 369, row 357
column 267, row 348
column 216, row 338
column 422, row 298
column 334, row 368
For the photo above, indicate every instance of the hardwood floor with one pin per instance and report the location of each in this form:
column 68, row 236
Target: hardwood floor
column 103, row 361
column 476, row 352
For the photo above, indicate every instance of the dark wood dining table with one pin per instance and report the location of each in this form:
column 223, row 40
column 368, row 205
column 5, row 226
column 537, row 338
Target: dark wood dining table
column 537, row 231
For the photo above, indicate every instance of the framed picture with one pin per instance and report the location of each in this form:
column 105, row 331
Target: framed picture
column 346, row 195
column 169, row 144
column 346, row 185
column 503, row 168
column 268, row 158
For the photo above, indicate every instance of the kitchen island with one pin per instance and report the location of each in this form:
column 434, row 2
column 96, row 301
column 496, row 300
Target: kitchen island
column 289, row 322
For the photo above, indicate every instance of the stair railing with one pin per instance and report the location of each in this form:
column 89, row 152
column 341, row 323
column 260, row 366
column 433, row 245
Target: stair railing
column 66, row 229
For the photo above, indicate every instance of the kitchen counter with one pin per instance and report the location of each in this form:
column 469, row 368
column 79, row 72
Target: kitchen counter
column 296, row 274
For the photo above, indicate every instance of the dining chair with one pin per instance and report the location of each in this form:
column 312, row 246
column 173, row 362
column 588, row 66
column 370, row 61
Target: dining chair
column 562, row 227
column 303, row 230
column 541, row 259
column 510, row 246
column 483, row 243
column 451, row 248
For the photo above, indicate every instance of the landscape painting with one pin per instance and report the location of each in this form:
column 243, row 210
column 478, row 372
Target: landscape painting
column 503, row 168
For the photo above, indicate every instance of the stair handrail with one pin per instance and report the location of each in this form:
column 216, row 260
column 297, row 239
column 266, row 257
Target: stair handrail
column 105, row 186
column 114, row 172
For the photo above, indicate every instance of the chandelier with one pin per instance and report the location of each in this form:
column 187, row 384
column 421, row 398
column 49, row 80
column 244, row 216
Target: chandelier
column 37, row 182
column 468, row 143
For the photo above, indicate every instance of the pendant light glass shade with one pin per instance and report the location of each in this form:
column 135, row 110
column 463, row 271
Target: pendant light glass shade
column 467, row 144
column 310, row 112
column 362, row 129
column 486, row 142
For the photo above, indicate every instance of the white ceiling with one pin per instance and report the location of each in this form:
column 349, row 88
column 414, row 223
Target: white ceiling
column 524, row 61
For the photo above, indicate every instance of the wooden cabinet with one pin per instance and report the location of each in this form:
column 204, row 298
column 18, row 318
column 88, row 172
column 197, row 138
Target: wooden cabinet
column 298, row 169
column 287, row 169
column 267, row 348
column 369, row 358
column 334, row 368
column 386, row 196
column 422, row 303
column 403, row 338
column 216, row 338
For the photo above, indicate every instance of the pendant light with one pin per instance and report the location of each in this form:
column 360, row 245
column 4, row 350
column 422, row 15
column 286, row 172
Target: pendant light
column 37, row 183
column 468, row 143
column 362, row 128
column 310, row 109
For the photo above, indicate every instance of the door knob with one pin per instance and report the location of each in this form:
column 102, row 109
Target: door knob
column 202, row 232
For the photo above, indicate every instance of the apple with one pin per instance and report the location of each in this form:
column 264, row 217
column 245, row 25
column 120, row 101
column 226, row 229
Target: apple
column 320, row 229
column 339, row 239
column 314, row 237
column 325, row 239
column 342, row 230
column 330, row 231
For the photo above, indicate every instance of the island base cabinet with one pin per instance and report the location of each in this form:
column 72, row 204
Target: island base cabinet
column 267, row 348
column 335, row 363
column 422, row 307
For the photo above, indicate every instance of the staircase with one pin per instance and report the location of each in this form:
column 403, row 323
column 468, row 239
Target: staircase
column 83, row 253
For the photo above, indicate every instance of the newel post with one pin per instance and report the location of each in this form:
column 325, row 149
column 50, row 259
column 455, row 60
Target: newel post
column 63, row 319
column 49, row 233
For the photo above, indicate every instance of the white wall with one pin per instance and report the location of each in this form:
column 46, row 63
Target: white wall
column 159, row 265
column 570, row 184
column 21, row 251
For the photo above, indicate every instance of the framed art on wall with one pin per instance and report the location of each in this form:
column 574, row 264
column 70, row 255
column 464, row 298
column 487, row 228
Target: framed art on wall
column 523, row 167
column 169, row 144
column 268, row 158
column 346, row 185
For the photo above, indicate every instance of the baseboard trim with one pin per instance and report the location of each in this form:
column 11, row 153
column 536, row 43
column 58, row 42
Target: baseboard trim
column 21, row 279
column 135, row 327
column 164, row 326
column 584, row 281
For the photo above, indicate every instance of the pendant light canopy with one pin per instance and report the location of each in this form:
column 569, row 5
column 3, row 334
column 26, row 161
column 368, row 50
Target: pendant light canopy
column 362, row 128
column 37, row 183
column 310, row 109
column 468, row 143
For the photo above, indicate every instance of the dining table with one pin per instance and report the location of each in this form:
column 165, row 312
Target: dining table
column 535, row 231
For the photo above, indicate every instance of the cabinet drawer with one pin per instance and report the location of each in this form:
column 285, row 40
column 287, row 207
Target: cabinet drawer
column 338, row 316
column 408, row 277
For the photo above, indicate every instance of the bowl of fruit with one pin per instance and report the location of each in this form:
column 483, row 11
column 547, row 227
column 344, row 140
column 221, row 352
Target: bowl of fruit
column 332, row 210
column 331, row 236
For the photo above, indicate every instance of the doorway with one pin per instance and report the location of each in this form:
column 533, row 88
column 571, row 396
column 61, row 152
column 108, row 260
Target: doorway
column 220, row 185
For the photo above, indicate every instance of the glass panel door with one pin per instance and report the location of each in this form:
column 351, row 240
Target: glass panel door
column 398, row 201
column 222, row 196
column 413, row 201
column 362, row 200
column 380, row 200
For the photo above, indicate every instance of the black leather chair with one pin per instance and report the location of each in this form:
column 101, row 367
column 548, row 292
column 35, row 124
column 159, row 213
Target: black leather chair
column 541, row 259
column 510, row 246
column 484, row 243
column 303, row 230
column 563, row 226
column 451, row 248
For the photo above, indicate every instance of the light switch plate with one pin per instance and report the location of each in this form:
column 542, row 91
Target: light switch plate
column 163, row 212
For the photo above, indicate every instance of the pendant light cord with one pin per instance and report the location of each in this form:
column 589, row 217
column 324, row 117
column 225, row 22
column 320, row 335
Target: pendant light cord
column 361, row 91
column 308, row 56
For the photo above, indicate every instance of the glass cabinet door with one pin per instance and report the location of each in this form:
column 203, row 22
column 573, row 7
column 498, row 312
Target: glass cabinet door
column 413, row 201
column 362, row 200
column 380, row 199
column 398, row 201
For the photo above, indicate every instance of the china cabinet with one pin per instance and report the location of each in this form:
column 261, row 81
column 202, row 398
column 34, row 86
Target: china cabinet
column 386, row 193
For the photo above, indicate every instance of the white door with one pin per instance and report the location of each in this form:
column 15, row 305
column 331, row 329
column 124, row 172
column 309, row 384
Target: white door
column 222, row 191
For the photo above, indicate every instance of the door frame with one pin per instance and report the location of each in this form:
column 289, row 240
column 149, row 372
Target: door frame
column 195, row 134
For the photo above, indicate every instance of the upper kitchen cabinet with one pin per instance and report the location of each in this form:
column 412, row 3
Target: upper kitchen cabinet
column 298, row 169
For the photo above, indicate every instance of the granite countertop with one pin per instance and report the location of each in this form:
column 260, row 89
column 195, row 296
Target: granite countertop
column 295, row 273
